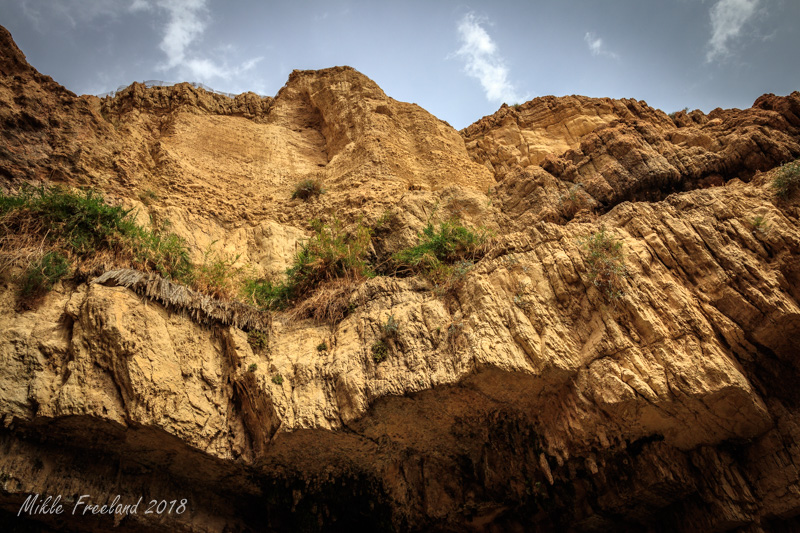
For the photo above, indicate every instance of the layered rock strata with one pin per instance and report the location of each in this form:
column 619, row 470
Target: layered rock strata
column 525, row 399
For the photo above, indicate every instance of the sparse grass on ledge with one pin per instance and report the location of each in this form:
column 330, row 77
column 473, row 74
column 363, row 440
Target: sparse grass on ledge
column 56, row 229
column 443, row 255
column 787, row 179
column 324, row 271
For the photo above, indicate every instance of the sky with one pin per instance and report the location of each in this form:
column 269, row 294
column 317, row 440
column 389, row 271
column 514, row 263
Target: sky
column 460, row 61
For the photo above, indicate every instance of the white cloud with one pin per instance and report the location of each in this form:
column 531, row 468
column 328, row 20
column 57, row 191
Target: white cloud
column 187, row 20
column 727, row 19
column 140, row 5
column 483, row 62
column 205, row 69
column 596, row 46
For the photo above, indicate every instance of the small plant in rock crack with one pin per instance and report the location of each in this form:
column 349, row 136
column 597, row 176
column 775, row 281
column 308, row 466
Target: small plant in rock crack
column 759, row 224
column 258, row 340
column 380, row 350
column 606, row 263
column 322, row 347
column 277, row 379
column 445, row 255
column 381, row 347
column 42, row 274
column 391, row 327
column 576, row 199
column 252, row 368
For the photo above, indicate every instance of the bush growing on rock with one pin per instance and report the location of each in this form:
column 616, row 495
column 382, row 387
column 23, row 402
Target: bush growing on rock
column 307, row 188
column 323, row 272
column 606, row 263
column 443, row 255
column 787, row 179
column 41, row 275
column 81, row 229
column 379, row 351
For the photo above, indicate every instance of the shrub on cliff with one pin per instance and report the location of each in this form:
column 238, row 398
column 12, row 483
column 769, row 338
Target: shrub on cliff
column 307, row 188
column 219, row 274
column 606, row 263
column 40, row 276
column 445, row 254
column 322, row 274
column 64, row 227
column 787, row 179
column 89, row 230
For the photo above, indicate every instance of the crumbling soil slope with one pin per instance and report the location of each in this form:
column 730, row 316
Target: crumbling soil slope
column 525, row 398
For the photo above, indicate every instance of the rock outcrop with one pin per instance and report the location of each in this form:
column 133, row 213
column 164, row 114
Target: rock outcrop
column 523, row 399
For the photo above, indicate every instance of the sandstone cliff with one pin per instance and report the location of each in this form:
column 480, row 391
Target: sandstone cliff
column 524, row 399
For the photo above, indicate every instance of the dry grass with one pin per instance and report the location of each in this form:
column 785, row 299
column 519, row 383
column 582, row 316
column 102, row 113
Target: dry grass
column 328, row 303
column 201, row 308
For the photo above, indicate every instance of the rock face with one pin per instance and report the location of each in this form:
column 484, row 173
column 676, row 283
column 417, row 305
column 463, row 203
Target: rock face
column 525, row 400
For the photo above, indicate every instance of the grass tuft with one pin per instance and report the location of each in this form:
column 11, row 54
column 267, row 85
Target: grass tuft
column 379, row 351
column 444, row 255
column 606, row 263
column 307, row 188
column 322, row 275
column 219, row 275
column 40, row 276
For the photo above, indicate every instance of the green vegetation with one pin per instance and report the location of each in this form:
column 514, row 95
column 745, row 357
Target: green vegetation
column 380, row 351
column 218, row 275
column 307, row 188
column 606, row 263
column 787, row 179
column 391, row 328
column 389, row 333
column 252, row 368
column 77, row 233
column 322, row 347
column 759, row 224
column 575, row 200
column 444, row 255
column 331, row 254
column 148, row 196
column 675, row 113
column 258, row 340
column 42, row 274
column 277, row 379
column 81, row 229
column 83, row 225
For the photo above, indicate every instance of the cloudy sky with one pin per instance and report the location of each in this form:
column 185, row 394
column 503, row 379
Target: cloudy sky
column 460, row 61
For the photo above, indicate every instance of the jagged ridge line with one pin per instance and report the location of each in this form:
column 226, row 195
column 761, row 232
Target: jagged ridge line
column 149, row 84
column 201, row 308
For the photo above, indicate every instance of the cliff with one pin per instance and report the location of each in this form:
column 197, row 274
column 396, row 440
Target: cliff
column 527, row 393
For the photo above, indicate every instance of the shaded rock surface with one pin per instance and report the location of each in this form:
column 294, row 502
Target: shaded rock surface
column 526, row 400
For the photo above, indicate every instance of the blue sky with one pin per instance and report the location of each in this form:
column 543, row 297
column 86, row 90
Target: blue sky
column 459, row 61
